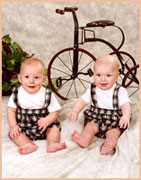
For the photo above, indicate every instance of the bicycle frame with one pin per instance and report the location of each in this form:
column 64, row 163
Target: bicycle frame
column 84, row 39
column 76, row 45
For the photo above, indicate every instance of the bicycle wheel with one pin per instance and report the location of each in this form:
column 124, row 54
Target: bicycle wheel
column 127, row 62
column 60, row 78
column 130, row 75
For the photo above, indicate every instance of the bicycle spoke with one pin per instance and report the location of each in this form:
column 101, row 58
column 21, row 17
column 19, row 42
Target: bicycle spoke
column 133, row 87
column 134, row 92
column 60, row 71
column 82, row 83
column 70, row 59
column 84, row 80
column 80, row 58
column 69, row 89
column 86, row 66
column 75, row 89
column 61, row 77
column 64, row 63
column 126, row 61
column 121, row 76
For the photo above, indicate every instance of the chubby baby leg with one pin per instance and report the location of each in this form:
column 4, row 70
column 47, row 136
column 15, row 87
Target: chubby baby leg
column 27, row 148
column 25, row 145
column 111, row 140
column 86, row 136
column 53, row 140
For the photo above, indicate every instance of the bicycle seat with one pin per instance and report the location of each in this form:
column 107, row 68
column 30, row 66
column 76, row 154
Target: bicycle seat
column 100, row 23
column 70, row 9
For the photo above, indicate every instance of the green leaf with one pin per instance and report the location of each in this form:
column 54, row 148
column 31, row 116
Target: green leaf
column 16, row 45
column 54, row 81
column 10, row 68
column 12, row 50
column 6, row 86
column 6, row 39
column 14, row 81
column 10, row 63
column 13, row 61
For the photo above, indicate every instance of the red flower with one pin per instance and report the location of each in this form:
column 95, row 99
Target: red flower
column 8, row 54
column 13, row 76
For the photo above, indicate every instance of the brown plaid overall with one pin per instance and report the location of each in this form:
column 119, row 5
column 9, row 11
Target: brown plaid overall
column 105, row 118
column 27, row 118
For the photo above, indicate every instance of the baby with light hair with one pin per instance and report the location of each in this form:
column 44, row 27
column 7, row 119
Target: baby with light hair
column 33, row 110
column 110, row 107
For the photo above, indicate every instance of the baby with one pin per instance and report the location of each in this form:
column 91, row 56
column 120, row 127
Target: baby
column 33, row 110
column 110, row 110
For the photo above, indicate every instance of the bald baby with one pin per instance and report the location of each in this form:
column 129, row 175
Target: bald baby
column 106, row 71
column 107, row 60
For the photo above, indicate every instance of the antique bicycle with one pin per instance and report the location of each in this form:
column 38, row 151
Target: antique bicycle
column 71, row 68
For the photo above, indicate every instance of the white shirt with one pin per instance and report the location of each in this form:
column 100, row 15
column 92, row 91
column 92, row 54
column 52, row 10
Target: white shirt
column 34, row 101
column 105, row 97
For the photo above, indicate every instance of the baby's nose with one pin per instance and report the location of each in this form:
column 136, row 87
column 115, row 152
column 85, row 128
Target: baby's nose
column 102, row 78
column 31, row 80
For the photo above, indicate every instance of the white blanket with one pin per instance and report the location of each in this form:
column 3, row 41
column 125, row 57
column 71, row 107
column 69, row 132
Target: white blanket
column 73, row 162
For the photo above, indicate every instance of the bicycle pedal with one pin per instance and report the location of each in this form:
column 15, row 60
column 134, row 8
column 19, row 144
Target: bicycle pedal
column 58, row 82
column 90, row 72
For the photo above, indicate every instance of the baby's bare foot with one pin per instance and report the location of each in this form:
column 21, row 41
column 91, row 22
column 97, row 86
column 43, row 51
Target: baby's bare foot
column 56, row 147
column 80, row 139
column 108, row 147
column 27, row 148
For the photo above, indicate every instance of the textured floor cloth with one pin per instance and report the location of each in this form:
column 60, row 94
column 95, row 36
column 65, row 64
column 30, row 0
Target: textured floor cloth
column 73, row 162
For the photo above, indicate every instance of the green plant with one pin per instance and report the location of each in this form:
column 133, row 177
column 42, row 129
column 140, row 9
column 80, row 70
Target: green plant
column 12, row 56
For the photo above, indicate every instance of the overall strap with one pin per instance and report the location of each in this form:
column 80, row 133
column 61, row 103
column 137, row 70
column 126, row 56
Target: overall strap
column 93, row 93
column 47, row 97
column 115, row 97
column 15, row 94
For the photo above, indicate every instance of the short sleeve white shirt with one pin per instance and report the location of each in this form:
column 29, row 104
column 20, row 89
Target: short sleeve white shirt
column 34, row 101
column 105, row 97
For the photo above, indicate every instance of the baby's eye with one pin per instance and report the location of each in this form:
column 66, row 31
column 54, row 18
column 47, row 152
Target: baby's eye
column 98, row 75
column 36, row 77
column 26, row 77
column 108, row 75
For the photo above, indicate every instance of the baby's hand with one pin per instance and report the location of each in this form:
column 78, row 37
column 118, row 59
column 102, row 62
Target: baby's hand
column 15, row 131
column 73, row 115
column 124, row 122
column 42, row 123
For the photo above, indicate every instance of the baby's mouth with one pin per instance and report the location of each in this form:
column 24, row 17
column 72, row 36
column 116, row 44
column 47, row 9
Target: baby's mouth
column 103, row 84
column 31, row 87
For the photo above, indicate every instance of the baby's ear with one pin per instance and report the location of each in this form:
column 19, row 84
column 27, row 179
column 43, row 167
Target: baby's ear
column 19, row 77
column 118, row 73
column 45, row 78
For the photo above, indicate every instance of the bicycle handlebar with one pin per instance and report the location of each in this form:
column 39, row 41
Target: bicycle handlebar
column 66, row 9
column 60, row 11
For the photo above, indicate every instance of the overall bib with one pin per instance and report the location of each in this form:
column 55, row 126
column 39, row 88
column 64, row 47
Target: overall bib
column 106, row 119
column 27, row 118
